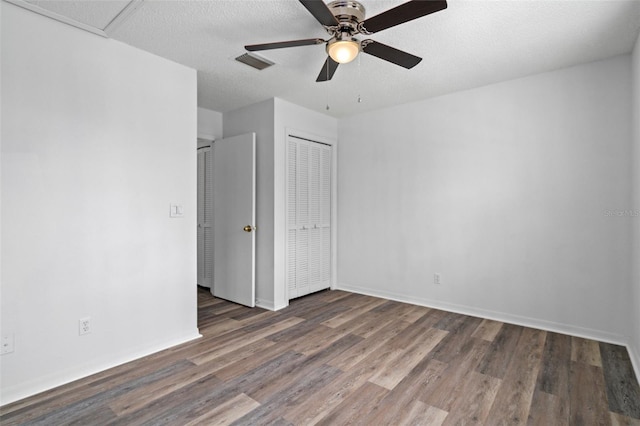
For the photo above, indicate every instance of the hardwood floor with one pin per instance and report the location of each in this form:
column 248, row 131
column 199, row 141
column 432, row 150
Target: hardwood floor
column 336, row 358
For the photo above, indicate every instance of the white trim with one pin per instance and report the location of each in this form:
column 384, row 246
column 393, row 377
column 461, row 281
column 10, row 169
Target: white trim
column 206, row 136
column 60, row 18
column 278, row 307
column 571, row 330
column 334, row 216
column 265, row 304
column 634, row 355
column 24, row 390
column 285, row 217
column 269, row 305
column 122, row 16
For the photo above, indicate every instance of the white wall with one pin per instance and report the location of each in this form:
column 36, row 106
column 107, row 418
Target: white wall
column 98, row 138
column 258, row 118
column 635, row 283
column 209, row 124
column 504, row 191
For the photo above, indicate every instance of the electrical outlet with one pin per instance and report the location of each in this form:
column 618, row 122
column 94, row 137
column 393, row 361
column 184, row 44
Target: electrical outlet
column 7, row 344
column 436, row 279
column 84, row 326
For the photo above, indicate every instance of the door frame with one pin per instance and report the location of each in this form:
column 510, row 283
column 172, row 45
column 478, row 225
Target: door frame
column 334, row 203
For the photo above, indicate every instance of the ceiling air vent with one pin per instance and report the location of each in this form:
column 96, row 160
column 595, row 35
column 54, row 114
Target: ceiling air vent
column 254, row 61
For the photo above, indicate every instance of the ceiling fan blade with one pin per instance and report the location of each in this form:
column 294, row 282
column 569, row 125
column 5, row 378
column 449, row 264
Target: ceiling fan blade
column 328, row 69
column 321, row 12
column 391, row 54
column 401, row 14
column 281, row 44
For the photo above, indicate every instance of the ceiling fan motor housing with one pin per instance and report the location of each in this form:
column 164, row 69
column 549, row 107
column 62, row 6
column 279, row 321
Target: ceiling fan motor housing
column 349, row 14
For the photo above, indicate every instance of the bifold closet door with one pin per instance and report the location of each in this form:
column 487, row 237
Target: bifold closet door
column 308, row 217
column 205, row 218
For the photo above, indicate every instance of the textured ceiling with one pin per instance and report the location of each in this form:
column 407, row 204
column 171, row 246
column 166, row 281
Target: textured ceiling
column 97, row 13
column 470, row 44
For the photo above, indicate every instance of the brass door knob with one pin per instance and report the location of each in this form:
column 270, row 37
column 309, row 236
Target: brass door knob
column 248, row 228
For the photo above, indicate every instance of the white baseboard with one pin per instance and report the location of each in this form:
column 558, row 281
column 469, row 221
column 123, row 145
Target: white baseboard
column 25, row 390
column 569, row 329
column 634, row 354
column 269, row 305
column 278, row 307
column 265, row 304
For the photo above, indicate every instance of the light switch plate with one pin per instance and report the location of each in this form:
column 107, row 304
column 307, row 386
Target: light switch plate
column 176, row 210
column 6, row 345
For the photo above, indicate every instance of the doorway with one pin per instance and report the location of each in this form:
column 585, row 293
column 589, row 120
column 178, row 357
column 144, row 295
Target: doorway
column 226, row 218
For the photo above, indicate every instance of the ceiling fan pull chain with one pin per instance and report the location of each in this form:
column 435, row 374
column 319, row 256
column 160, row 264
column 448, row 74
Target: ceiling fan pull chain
column 327, row 68
column 359, row 82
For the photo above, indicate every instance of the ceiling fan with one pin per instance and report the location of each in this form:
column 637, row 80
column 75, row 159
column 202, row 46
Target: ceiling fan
column 344, row 19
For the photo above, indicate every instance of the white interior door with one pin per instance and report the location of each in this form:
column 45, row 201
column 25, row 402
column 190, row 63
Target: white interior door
column 234, row 228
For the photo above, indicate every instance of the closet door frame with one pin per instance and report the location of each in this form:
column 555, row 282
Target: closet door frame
column 334, row 202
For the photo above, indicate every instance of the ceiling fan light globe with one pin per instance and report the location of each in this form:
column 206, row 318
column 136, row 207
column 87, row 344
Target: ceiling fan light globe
column 343, row 51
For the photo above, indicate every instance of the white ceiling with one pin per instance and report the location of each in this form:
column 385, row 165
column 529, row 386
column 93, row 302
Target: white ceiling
column 97, row 14
column 470, row 44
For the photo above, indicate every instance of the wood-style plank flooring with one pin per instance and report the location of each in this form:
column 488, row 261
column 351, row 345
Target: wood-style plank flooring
column 335, row 358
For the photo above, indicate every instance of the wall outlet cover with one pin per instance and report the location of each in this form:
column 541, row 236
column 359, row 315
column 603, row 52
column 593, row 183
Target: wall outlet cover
column 436, row 279
column 84, row 326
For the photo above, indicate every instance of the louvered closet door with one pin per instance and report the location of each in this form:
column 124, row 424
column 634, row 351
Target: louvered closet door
column 205, row 217
column 308, row 217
